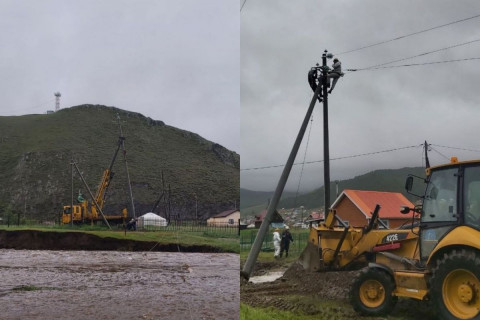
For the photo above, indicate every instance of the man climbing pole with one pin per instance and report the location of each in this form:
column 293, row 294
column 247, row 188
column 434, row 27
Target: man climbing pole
column 313, row 81
column 315, row 74
column 334, row 74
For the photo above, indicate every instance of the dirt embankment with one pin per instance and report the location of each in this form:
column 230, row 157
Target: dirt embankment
column 50, row 240
column 295, row 281
column 318, row 293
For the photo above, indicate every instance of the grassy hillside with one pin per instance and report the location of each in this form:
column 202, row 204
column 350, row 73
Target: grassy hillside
column 36, row 150
column 380, row 180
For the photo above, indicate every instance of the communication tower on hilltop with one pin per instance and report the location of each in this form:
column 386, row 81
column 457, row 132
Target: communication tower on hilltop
column 57, row 101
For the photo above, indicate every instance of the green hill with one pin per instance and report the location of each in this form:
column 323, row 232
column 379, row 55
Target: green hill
column 36, row 150
column 392, row 180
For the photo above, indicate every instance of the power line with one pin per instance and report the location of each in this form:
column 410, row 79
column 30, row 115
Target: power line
column 303, row 163
column 407, row 35
column 337, row 158
column 421, row 54
column 243, row 5
column 433, row 149
column 413, row 64
column 464, row 149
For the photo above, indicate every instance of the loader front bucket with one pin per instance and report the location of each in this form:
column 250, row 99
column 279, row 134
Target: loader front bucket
column 310, row 258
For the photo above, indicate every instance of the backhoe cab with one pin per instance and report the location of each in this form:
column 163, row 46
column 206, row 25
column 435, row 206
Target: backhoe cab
column 444, row 265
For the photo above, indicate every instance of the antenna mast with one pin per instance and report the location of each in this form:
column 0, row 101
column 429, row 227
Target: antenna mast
column 57, row 100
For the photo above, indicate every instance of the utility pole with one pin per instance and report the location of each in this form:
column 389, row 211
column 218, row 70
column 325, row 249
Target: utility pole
column 257, row 244
column 122, row 138
column 326, row 147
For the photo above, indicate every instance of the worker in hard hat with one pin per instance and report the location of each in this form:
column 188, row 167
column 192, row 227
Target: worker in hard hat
column 276, row 242
column 286, row 239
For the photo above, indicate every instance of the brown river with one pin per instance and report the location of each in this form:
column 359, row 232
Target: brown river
column 118, row 285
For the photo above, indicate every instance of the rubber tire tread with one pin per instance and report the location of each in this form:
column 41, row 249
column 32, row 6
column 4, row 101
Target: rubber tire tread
column 386, row 280
column 464, row 259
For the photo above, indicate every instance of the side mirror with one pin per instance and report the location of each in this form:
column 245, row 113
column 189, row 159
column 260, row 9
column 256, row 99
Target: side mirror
column 404, row 209
column 409, row 183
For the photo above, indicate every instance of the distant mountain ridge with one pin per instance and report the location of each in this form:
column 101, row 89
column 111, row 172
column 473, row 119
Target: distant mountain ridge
column 249, row 198
column 391, row 180
column 36, row 150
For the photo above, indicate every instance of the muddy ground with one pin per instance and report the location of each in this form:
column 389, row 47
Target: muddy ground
column 320, row 293
column 45, row 240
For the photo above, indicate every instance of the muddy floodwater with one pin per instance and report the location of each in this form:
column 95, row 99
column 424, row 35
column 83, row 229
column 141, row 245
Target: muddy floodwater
column 118, row 285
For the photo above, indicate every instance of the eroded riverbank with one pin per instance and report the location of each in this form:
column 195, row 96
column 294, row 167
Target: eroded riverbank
column 52, row 240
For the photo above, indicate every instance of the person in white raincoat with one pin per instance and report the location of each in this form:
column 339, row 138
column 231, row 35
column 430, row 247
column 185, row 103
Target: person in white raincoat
column 276, row 242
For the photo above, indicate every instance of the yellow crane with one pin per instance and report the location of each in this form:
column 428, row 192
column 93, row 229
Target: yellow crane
column 87, row 211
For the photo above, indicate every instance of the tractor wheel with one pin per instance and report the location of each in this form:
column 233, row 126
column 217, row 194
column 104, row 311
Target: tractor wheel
column 455, row 285
column 371, row 293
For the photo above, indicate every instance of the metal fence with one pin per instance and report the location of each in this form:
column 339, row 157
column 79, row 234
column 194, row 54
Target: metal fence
column 159, row 226
column 247, row 238
column 193, row 226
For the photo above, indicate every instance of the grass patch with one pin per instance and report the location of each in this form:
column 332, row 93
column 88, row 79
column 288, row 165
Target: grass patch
column 295, row 307
column 26, row 288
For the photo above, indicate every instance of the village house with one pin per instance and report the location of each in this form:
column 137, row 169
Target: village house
column 277, row 220
column 225, row 218
column 355, row 207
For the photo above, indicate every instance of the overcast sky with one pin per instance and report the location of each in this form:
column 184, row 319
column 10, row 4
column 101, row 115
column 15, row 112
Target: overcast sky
column 175, row 61
column 369, row 111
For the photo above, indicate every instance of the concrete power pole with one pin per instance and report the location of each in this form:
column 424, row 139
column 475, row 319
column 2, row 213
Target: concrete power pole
column 257, row 244
column 326, row 147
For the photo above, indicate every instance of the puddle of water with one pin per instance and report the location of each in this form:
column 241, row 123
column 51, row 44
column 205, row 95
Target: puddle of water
column 118, row 285
column 268, row 277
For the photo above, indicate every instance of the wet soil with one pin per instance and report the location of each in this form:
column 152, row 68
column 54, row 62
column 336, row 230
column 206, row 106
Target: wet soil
column 46, row 240
column 319, row 293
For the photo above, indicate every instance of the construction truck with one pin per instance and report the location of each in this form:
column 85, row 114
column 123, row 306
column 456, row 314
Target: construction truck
column 439, row 260
column 91, row 211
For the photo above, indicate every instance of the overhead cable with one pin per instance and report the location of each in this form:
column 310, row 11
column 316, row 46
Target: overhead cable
column 243, row 5
column 413, row 64
column 407, row 35
column 464, row 149
column 337, row 158
column 435, row 150
column 421, row 54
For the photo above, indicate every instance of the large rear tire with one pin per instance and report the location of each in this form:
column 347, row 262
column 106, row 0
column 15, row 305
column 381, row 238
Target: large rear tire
column 372, row 293
column 455, row 285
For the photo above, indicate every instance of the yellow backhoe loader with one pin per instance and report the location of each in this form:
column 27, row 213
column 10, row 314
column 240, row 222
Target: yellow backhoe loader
column 333, row 245
column 438, row 261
